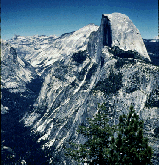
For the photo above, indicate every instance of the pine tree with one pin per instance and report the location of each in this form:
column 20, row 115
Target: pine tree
column 102, row 147
column 98, row 132
column 130, row 146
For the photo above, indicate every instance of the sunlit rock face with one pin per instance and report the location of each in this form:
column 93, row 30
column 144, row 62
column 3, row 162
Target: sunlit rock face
column 93, row 65
column 125, row 35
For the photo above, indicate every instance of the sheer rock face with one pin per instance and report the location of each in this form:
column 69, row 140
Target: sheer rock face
column 85, row 71
column 125, row 35
column 117, row 31
column 106, row 31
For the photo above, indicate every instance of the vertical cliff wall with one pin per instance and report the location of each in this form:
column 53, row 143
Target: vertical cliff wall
column 106, row 31
column 117, row 32
column 125, row 35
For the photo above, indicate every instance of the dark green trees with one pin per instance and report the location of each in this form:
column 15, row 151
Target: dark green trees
column 115, row 145
column 111, row 84
column 130, row 146
column 95, row 149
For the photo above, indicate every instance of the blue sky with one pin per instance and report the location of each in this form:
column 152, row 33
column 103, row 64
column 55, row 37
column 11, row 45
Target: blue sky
column 48, row 17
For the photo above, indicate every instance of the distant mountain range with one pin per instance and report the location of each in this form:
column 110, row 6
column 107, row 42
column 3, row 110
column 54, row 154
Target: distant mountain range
column 152, row 46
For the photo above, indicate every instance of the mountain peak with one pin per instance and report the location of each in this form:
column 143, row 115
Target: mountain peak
column 124, row 33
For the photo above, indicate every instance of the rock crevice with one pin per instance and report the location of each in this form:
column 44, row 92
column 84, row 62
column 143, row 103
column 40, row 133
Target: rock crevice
column 106, row 31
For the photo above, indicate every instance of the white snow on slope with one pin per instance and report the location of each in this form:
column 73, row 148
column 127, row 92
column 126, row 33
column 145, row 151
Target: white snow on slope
column 42, row 51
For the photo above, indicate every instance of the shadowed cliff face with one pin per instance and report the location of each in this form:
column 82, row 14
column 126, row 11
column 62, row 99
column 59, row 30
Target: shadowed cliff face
column 106, row 28
column 13, row 52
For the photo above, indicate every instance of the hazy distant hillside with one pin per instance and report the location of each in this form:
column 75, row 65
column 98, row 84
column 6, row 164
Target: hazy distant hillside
column 152, row 47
